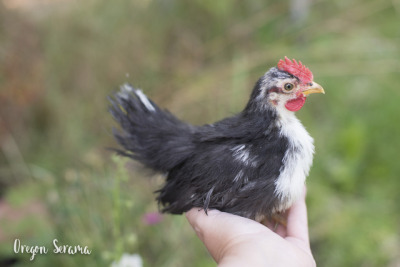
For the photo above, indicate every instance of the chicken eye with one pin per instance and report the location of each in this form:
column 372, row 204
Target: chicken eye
column 289, row 86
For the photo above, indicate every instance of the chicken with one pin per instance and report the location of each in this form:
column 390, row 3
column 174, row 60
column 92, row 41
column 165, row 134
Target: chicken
column 253, row 164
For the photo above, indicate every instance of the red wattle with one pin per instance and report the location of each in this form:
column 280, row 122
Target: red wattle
column 295, row 104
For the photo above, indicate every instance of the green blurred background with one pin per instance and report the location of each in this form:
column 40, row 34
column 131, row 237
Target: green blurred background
column 60, row 59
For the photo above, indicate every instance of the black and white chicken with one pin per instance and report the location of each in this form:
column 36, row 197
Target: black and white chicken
column 253, row 164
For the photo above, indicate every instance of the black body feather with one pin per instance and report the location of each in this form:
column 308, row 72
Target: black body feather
column 231, row 165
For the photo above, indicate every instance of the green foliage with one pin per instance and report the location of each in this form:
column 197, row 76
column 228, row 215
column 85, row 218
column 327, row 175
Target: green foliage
column 200, row 60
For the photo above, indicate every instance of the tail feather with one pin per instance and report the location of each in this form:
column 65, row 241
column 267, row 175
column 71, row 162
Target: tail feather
column 150, row 135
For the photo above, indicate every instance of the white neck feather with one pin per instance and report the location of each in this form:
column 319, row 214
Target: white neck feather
column 296, row 161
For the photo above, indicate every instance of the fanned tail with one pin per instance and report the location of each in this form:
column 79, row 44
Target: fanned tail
column 150, row 135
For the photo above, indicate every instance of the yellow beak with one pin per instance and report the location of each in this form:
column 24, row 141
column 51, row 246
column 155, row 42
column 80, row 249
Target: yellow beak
column 314, row 88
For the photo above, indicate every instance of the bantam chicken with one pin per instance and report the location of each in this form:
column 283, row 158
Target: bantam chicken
column 253, row 164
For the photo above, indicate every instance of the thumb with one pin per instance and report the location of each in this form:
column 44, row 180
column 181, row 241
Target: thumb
column 297, row 223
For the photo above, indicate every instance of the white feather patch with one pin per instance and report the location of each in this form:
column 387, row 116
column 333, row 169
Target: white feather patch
column 125, row 90
column 296, row 161
column 240, row 153
column 238, row 176
column 143, row 98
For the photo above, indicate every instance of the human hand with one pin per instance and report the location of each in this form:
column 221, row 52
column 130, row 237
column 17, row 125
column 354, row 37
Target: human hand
column 236, row 241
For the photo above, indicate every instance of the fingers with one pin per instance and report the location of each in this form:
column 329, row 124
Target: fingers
column 297, row 225
column 198, row 220
column 208, row 229
column 220, row 222
column 219, row 229
column 227, row 235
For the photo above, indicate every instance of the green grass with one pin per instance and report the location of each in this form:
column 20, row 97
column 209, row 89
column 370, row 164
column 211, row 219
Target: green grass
column 200, row 60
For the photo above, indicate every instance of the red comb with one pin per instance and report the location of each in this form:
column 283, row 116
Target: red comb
column 296, row 69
